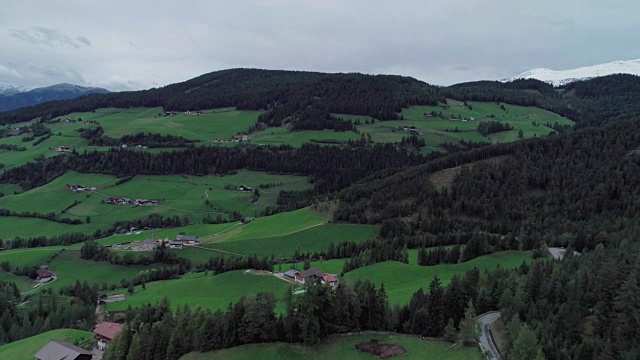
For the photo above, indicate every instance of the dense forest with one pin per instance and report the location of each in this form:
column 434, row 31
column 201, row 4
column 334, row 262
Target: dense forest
column 286, row 95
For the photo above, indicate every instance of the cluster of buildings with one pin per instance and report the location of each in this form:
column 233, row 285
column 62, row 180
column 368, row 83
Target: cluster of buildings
column 234, row 138
column 453, row 118
column 310, row 276
column 125, row 201
column 148, row 245
column 76, row 187
column 64, row 149
column 105, row 332
column 193, row 113
column 91, row 122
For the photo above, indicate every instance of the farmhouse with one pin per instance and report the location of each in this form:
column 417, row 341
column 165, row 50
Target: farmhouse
column 187, row 240
column 244, row 188
column 75, row 187
column 64, row 149
column 304, row 276
column 235, row 138
column 44, row 275
column 175, row 245
column 58, row 350
column 291, row 274
column 329, row 279
column 105, row 333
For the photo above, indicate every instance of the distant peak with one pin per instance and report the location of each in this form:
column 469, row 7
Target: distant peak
column 561, row 77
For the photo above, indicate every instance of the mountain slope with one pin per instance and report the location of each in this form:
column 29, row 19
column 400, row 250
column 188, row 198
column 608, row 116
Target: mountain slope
column 562, row 77
column 14, row 98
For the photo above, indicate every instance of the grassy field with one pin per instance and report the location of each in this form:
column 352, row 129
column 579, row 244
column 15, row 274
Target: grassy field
column 280, row 136
column 434, row 130
column 69, row 267
column 25, row 349
column 312, row 239
column 342, row 347
column 275, row 225
column 402, row 280
column 190, row 196
column 213, row 124
column 211, row 292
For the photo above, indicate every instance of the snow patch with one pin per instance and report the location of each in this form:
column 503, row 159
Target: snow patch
column 562, row 77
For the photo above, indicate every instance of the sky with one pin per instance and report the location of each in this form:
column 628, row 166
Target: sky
column 138, row 44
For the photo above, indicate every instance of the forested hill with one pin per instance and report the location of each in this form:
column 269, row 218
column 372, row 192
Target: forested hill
column 578, row 190
column 591, row 102
column 285, row 94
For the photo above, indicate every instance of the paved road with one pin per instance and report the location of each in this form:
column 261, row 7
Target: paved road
column 557, row 253
column 486, row 341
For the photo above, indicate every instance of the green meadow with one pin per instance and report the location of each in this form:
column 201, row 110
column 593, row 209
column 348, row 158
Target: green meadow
column 342, row 347
column 185, row 196
column 25, row 349
column 402, row 280
column 207, row 291
column 212, row 124
column 317, row 238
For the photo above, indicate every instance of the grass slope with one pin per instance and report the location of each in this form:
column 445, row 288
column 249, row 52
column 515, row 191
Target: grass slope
column 211, row 292
column 25, row 349
column 312, row 239
column 402, row 280
column 182, row 195
column 342, row 347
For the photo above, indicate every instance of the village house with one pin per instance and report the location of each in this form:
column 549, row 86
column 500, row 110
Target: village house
column 75, row 187
column 244, row 188
column 235, row 138
column 58, row 350
column 291, row 274
column 105, row 333
column 64, row 149
column 303, row 277
column 187, row 240
column 175, row 245
column 44, row 275
column 329, row 279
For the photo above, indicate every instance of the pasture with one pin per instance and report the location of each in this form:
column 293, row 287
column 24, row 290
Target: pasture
column 402, row 280
column 212, row 124
column 214, row 292
column 25, row 349
column 69, row 267
column 185, row 196
column 317, row 238
column 342, row 347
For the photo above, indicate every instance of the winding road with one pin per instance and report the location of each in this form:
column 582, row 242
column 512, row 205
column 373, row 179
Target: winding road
column 487, row 344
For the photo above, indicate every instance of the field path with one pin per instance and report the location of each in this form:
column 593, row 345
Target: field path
column 217, row 250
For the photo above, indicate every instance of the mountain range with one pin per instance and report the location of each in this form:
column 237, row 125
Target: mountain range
column 563, row 77
column 12, row 97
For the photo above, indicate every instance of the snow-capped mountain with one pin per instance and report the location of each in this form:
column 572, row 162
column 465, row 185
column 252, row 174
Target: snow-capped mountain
column 17, row 98
column 7, row 89
column 561, row 77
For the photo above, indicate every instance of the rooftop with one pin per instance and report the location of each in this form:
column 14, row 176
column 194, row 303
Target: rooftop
column 108, row 330
column 58, row 350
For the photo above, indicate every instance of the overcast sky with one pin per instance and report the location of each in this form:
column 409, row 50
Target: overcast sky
column 133, row 44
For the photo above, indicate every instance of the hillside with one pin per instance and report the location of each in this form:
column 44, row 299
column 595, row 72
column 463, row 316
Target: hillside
column 13, row 98
column 26, row 348
column 301, row 97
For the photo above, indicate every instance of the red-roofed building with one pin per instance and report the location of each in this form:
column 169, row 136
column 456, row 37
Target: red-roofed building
column 329, row 279
column 44, row 275
column 106, row 332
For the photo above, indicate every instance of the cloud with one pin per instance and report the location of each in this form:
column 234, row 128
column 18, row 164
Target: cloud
column 39, row 35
